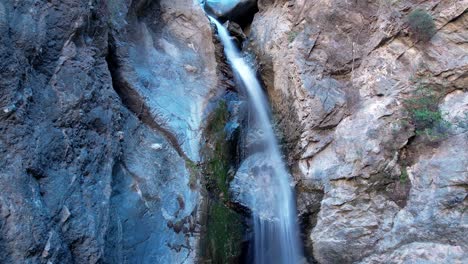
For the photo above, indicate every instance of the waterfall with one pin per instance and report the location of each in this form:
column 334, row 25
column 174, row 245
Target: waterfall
column 270, row 195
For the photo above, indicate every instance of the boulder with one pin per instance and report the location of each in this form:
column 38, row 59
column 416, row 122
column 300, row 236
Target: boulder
column 255, row 174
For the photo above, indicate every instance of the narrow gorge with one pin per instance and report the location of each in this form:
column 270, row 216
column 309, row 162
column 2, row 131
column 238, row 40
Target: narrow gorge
column 234, row 131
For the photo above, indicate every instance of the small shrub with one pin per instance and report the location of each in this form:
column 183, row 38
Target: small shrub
column 193, row 173
column 421, row 25
column 404, row 175
column 424, row 113
column 462, row 122
column 292, row 36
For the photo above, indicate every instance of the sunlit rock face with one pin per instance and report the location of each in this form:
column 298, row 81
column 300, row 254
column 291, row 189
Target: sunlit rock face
column 339, row 75
column 164, row 71
column 166, row 75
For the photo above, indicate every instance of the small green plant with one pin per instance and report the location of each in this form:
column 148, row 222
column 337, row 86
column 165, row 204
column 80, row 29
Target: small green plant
column 217, row 162
column 193, row 171
column 424, row 114
column 462, row 122
column 421, row 25
column 292, row 36
column 224, row 234
column 223, row 240
column 404, row 175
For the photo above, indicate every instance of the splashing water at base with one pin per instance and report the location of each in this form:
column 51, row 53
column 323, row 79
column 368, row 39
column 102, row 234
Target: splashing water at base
column 270, row 196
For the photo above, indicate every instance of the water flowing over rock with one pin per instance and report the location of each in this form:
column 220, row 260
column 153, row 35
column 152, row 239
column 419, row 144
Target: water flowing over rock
column 251, row 179
column 268, row 192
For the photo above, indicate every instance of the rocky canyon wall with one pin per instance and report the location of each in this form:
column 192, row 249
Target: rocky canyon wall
column 115, row 149
column 102, row 107
column 372, row 185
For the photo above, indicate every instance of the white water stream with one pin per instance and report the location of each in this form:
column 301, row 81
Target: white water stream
column 276, row 238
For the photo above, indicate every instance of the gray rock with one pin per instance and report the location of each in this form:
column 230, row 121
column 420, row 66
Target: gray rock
column 420, row 252
column 245, row 185
column 165, row 46
column 83, row 179
column 338, row 79
column 57, row 142
column 152, row 205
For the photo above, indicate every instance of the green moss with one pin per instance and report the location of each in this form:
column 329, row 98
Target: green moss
column 222, row 242
column 462, row 122
column 218, row 178
column 218, row 119
column 224, row 234
column 217, row 165
column 292, row 36
column 404, row 175
column 194, row 171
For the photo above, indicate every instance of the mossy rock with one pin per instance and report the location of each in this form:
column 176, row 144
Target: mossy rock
column 224, row 234
column 222, row 242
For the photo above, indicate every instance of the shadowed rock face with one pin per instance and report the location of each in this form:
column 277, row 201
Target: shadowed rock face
column 59, row 123
column 239, row 11
column 339, row 74
column 101, row 106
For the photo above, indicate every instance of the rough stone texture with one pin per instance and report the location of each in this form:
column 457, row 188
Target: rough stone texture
column 245, row 185
column 417, row 252
column 58, row 128
column 153, row 208
column 173, row 41
column 338, row 74
column 83, row 179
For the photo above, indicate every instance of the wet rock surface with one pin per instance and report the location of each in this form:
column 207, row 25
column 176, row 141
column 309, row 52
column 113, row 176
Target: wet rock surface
column 341, row 77
column 249, row 181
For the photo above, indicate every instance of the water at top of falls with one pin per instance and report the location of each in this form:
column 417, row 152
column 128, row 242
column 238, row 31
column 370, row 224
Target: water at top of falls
column 271, row 196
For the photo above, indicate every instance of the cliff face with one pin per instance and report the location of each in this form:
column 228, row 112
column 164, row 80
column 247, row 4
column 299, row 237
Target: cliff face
column 349, row 80
column 96, row 152
column 106, row 108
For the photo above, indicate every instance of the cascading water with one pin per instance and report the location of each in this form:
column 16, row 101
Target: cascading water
column 270, row 196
